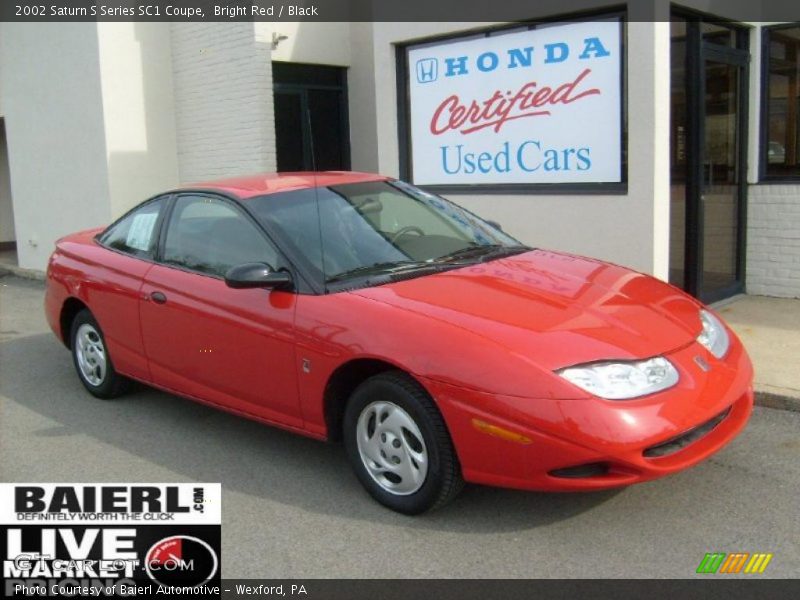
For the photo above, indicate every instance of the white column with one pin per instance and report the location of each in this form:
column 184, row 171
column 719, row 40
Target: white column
column 649, row 128
column 138, row 111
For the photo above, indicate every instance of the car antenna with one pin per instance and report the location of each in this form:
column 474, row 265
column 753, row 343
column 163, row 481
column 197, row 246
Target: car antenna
column 316, row 197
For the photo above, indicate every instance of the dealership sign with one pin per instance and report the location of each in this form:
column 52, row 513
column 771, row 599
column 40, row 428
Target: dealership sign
column 536, row 106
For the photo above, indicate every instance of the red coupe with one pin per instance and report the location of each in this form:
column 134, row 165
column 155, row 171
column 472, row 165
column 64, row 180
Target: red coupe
column 436, row 347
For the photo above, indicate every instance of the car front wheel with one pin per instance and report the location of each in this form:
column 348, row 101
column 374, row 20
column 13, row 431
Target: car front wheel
column 399, row 446
column 91, row 358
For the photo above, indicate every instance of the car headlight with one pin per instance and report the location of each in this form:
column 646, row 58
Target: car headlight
column 623, row 380
column 714, row 337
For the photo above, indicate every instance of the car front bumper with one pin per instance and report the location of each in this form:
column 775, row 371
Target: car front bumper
column 592, row 443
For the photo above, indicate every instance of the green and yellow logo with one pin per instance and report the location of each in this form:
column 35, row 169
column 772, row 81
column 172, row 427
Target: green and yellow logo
column 735, row 562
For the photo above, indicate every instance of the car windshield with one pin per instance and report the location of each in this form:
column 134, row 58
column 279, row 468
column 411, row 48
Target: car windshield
column 377, row 228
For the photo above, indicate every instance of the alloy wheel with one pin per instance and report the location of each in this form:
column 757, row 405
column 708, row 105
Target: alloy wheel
column 392, row 448
column 91, row 354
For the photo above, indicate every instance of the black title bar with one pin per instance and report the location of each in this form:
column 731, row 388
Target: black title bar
column 712, row 587
column 369, row 10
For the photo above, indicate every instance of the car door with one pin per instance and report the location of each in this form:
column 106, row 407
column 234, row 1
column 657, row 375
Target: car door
column 114, row 288
column 231, row 347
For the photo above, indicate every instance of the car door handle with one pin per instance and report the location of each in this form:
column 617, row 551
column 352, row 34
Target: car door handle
column 158, row 297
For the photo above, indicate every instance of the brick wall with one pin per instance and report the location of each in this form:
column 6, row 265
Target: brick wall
column 223, row 100
column 773, row 240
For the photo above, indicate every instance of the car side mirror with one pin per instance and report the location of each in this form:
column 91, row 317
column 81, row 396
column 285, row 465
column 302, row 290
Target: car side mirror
column 494, row 224
column 257, row 275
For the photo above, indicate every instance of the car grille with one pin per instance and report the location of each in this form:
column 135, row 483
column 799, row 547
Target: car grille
column 680, row 442
column 582, row 471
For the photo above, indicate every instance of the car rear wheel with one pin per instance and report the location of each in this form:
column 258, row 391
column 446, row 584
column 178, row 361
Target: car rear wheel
column 91, row 358
column 399, row 446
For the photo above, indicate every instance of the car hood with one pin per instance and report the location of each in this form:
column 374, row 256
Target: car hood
column 557, row 309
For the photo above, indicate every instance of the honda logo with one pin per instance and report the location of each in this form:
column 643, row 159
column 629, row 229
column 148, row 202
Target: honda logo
column 427, row 70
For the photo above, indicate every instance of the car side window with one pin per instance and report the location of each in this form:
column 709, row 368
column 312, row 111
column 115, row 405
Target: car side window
column 135, row 233
column 209, row 235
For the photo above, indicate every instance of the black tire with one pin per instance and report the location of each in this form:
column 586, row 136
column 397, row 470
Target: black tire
column 443, row 480
column 112, row 384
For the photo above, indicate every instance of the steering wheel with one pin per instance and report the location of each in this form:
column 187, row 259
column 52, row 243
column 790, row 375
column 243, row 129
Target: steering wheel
column 405, row 231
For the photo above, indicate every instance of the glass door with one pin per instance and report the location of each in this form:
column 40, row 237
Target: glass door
column 721, row 190
column 708, row 157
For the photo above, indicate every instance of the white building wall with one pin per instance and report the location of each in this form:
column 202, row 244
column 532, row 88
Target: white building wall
column 138, row 111
column 310, row 42
column 53, row 108
column 6, row 209
column 362, row 80
column 2, row 112
column 773, row 240
column 222, row 77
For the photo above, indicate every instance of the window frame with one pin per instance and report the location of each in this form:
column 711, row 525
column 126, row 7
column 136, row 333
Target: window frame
column 149, row 256
column 763, row 142
column 619, row 188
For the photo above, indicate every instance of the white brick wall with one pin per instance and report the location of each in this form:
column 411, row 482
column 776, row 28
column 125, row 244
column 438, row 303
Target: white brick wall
column 773, row 240
column 223, row 100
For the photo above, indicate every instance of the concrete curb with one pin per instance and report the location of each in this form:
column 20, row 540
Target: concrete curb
column 23, row 273
column 765, row 395
column 777, row 400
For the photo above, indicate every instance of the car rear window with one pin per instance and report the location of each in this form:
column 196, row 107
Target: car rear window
column 135, row 232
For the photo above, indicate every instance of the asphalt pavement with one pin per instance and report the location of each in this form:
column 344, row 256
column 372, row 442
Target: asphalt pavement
column 293, row 509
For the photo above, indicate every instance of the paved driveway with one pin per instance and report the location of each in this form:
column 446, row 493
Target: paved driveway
column 291, row 507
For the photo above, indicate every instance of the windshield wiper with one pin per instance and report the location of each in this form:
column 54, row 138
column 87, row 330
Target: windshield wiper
column 450, row 259
column 384, row 267
column 481, row 251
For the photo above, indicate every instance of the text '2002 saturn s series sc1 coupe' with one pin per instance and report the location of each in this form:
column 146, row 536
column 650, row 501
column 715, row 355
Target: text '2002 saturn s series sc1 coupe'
column 436, row 347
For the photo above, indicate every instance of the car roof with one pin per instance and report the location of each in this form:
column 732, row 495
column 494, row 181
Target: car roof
column 271, row 183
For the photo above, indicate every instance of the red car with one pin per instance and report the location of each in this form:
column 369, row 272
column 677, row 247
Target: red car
column 439, row 349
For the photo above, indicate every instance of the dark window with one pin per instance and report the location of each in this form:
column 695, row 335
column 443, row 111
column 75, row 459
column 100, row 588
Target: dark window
column 135, row 233
column 311, row 130
column 780, row 150
column 289, row 132
column 209, row 235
